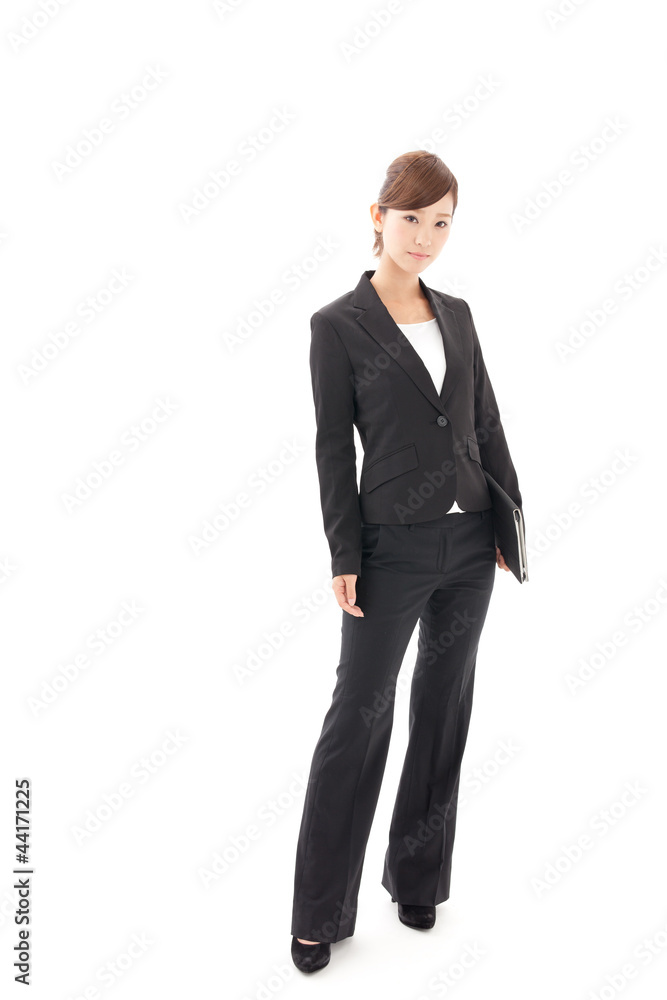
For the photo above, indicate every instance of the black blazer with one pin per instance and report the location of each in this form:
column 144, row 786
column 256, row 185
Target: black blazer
column 422, row 450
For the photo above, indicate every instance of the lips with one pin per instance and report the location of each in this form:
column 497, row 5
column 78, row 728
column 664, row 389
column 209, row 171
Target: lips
column 421, row 256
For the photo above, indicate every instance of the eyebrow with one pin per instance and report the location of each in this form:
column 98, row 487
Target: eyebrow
column 445, row 214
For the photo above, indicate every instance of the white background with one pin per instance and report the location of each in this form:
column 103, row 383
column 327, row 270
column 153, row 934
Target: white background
column 170, row 333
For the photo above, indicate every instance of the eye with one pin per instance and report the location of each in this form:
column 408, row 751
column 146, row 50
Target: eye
column 442, row 222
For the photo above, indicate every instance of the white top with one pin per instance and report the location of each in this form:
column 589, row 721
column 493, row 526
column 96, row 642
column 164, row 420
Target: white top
column 427, row 341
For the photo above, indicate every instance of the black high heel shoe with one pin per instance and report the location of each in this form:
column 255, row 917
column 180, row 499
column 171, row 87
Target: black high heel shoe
column 422, row 918
column 310, row 957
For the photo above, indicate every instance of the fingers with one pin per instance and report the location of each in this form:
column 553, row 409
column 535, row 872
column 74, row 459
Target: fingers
column 501, row 560
column 344, row 587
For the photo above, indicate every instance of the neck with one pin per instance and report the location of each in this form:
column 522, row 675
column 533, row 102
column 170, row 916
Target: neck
column 393, row 283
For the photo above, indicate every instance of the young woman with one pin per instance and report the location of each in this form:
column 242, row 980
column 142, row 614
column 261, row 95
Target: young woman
column 413, row 544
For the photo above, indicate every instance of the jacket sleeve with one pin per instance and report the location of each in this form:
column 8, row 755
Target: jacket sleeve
column 333, row 395
column 493, row 448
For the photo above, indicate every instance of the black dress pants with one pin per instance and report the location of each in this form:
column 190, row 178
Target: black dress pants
column 439, row 573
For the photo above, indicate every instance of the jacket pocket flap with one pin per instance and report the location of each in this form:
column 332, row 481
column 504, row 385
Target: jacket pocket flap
column 391, row 465
column 473, row 450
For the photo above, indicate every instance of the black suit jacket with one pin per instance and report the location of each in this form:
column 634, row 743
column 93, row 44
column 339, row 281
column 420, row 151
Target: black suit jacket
column 422, row 450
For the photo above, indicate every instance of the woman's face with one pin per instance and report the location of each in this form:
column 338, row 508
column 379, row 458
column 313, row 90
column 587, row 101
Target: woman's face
column 414, row 239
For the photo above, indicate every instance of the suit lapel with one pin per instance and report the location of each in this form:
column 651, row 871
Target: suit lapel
column 377, row 321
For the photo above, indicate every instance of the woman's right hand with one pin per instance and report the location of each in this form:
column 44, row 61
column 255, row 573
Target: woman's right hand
column 345, row 589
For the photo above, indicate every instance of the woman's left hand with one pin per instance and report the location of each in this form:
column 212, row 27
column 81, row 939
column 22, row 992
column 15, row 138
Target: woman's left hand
column 500, row 560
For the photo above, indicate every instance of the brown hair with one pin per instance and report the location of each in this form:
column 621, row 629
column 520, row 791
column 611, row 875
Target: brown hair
column 414, row 180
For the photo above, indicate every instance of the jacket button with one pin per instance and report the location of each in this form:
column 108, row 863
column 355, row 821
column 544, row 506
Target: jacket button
column 442, row 421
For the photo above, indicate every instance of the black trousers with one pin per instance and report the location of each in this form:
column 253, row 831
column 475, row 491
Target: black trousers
column 441, row 574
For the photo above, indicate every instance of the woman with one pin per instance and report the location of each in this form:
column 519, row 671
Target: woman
column 414, row 544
